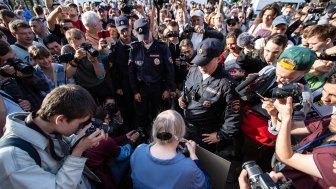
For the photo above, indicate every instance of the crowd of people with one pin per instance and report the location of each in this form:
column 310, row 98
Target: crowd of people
column 103, row 95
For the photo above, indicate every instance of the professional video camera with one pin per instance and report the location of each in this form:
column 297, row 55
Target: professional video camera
column 255, row 86
column 18, row 65
column 88, row 48
column 67, row 57
column 260, row 180
column 99, row 124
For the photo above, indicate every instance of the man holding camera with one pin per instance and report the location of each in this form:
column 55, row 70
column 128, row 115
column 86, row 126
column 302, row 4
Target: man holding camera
column 260, row 123
column 198, row 30
column 212, row 107
column 55, row 163
column 151, row 74
column 86, row 69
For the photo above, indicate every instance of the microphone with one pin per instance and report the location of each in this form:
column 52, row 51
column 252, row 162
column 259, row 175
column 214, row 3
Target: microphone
column 245, row 39
column 249, row 79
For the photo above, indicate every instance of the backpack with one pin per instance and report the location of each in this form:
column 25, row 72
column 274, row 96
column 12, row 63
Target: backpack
column 23, row 145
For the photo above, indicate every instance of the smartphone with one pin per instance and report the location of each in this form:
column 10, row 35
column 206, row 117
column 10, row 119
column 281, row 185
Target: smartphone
column 103, row 34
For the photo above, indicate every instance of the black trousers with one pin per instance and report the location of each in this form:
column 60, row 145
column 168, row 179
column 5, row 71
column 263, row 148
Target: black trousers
column 149, row 107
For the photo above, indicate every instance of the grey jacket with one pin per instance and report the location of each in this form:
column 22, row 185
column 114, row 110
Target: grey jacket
column 19, row 170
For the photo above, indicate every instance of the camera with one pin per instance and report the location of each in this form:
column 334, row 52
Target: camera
column 292, row 89
column 189, row 29
column 260, row 180
column 141, row 132
column 324, row 56
column 18, row 65
column 98, row 124
column 88, row 48
column 67, row 57
column 172, row 34
column 183, row 59
column 316, row 10
column 111, row 108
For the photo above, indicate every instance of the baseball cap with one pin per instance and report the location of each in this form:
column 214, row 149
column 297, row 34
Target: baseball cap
column 232, row 19
column 207, row 50
column 121, row 23
column 297, row 58
column 280, row 20
column 197, row 13
column 245, row 39
column 141, row 26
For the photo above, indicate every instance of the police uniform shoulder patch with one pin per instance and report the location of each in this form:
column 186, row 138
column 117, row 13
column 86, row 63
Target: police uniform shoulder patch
column 235, row 106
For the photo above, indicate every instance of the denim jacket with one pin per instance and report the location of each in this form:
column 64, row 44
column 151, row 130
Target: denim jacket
column 19, row 170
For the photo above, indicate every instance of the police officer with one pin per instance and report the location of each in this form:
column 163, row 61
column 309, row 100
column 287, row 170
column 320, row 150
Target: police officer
column 151, row 74
column 119, row 57
column 212, row 107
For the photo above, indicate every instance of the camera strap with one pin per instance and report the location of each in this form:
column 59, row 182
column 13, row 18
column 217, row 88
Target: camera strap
column 21, row 47
column 315, row 141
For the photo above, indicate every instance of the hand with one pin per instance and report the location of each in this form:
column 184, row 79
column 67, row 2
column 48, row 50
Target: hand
column 8, row 69
column 191, row 145
column 182, row 104
column 277, row 177
column 243, row 180
column 80, row 53
column 305, row 10
column 102, row 44
column 65, row 9
column 285, row 107
column 267, row 104
column 165, row 95
column 172, row 94
column 210, row 138
column 119, row 92
column 25, row 105
column 199, row 29
column 137, row 97
column 89, row 141
column 93, row 60
column 132, row 135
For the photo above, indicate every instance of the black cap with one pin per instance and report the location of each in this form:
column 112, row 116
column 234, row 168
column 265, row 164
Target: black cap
column 232, row 19
column 207, row 50
column 141, row 27
column 121, row 23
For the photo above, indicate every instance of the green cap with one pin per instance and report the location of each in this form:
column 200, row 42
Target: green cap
column 297, row 58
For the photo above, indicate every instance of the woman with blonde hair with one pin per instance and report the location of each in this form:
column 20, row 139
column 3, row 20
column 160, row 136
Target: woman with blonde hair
column 160, row 165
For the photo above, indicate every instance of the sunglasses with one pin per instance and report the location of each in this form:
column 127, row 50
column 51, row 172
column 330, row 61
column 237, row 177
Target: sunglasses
column 231, row 23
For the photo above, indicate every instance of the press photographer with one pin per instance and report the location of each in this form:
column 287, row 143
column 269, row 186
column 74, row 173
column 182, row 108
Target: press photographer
column 19, row 80
column 198, row 30
column 309, row 163
column 260, row 123
column 86, row 69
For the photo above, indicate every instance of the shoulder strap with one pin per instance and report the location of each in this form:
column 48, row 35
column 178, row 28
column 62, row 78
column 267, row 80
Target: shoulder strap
column 21, row 47
column 23, row 145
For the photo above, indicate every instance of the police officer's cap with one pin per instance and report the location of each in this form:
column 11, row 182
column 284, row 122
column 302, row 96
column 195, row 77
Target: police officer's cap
column 141, row 27
column 121, row 23
column 207, row 50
